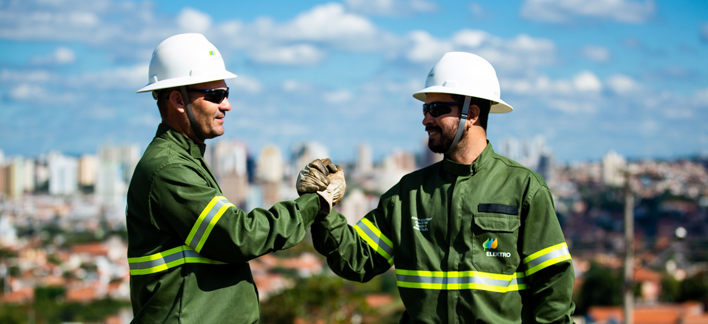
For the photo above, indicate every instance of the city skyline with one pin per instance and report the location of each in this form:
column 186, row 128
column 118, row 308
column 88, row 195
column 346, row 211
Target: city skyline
column 624, row 76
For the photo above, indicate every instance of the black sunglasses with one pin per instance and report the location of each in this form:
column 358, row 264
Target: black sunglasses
column 214, row 95
column 438, row 108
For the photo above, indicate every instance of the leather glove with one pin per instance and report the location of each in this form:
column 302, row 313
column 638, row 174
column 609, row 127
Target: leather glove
column 313, row 177
column 337, row 184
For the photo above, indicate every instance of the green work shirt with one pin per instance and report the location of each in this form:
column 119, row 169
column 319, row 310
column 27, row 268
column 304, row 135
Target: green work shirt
column 476, row 243
column 189, row 247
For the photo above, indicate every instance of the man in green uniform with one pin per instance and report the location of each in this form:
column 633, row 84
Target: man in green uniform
column 473, row 238
column 188, row 246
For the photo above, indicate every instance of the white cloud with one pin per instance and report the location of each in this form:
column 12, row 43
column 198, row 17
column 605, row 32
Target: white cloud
column 26, row 91
column 587, row 81
column 245, row 83
column 583, row 84
column 295, row 86
column 328, row 22
column 596, row 53
column 701, row 97
column 130, row 77
column 62, row 55
column 390, row 7
column 622, row 84
column 339, row 96
column 15, row 76
column 572, row 106
column 426, row 47
column 301, row 54
column 192, row 20
column 560, row 11
column 36, row 93
column 471, row 38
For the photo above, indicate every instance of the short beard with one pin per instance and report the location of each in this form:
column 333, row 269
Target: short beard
column 443, row 144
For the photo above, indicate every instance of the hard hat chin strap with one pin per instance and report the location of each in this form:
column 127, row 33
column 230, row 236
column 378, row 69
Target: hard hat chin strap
column 190, row 114
column 461, row 127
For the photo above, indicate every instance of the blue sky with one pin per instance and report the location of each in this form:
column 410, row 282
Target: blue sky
column 589, row 76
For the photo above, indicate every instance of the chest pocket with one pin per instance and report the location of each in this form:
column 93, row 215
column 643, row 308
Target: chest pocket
column 495, row 238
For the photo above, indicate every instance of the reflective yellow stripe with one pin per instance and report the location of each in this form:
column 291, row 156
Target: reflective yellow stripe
column 547, row 257
column 460, row 280
column 382, row 250
column 212, row 224
column 165, row 260
column 206, row 210
column 206, row 222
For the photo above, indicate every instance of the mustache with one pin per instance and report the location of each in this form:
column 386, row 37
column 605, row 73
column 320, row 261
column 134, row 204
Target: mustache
column 435, row 128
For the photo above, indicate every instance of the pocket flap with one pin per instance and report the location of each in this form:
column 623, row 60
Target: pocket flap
column 497, row 222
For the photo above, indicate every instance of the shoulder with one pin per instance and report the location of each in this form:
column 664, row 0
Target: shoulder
column 162, row 158
column 515, row 170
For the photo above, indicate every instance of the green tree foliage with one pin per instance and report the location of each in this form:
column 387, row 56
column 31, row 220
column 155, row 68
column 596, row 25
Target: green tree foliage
column 601, row 287
column 693, row 288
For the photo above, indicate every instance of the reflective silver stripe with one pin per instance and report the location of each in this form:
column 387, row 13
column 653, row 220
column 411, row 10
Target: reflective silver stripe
column 154, row 263
column 548, row 256
column 460, row 280
column 206, row 221
column 378, row 240
column 456, row 280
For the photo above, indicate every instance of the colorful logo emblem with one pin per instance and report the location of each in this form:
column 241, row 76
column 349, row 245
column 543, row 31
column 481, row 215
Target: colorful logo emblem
column 212, row 53
column 490, row 244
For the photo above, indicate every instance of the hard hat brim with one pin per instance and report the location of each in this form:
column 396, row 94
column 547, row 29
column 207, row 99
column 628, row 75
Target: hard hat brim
column 498, row 105
column 183, row 81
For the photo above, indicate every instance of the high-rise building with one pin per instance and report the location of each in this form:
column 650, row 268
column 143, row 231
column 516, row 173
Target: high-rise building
column 16, row 177
column 229, row 162
column 115, row 166
column 63, row 174
column 88, row 169
column 613, row 168
column 28, row 175
column 364, row 159
column 270, row 165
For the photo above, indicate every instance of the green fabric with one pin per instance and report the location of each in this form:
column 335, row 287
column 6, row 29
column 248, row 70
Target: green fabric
column 441, row 244
column 170, row 189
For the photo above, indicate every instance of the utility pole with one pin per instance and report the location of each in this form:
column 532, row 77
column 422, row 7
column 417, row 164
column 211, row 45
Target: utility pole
column 628, row 286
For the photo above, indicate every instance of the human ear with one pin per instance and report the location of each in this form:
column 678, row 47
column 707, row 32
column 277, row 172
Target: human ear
column 176, row 99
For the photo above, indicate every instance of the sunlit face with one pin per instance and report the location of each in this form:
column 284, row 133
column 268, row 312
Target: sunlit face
column 209, row 116
column 442, row 129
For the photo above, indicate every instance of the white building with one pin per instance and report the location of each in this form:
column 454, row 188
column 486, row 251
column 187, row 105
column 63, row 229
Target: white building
column 88, row 169
column 229, row 163
column 613, row 167
column 305, row 153
column 364, row 159
column 270, row 166
column 63, row 174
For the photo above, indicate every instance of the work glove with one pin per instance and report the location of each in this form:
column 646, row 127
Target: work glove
column 324, row 178
column 313, row 177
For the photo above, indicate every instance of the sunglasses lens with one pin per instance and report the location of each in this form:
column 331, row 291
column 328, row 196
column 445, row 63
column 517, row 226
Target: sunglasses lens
column 436, row 109
column 217, row 96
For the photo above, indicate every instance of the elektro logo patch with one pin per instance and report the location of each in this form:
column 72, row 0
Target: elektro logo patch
column 491, row 244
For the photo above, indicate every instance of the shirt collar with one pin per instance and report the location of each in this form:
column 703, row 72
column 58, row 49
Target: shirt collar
column 460, row 169
column 170, row 134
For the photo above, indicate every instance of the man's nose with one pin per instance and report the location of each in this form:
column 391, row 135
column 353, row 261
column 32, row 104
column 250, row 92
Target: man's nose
column 225, row 105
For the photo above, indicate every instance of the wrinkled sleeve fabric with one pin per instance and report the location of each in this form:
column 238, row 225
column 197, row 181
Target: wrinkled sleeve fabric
column 358, row 252
column 211, row 225
column 547, row 262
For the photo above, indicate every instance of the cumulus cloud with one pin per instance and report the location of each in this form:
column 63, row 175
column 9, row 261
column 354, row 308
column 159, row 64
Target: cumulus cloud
column 245, row 83
column 562, row 11
column 390, row 7
column 622, row 84
column 587, row 81
column 701, row 97
column 124, row 77
column 16, row 76
column 300, row 54
column 338, row 96
column 192, row 20
column 62, row 55
column 596, row 53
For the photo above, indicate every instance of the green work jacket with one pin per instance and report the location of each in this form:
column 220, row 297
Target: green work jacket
column 476, row 243
column 189, row 247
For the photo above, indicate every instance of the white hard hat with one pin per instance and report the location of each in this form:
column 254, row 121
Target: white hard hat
column 465, row 74
column 185, row 59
